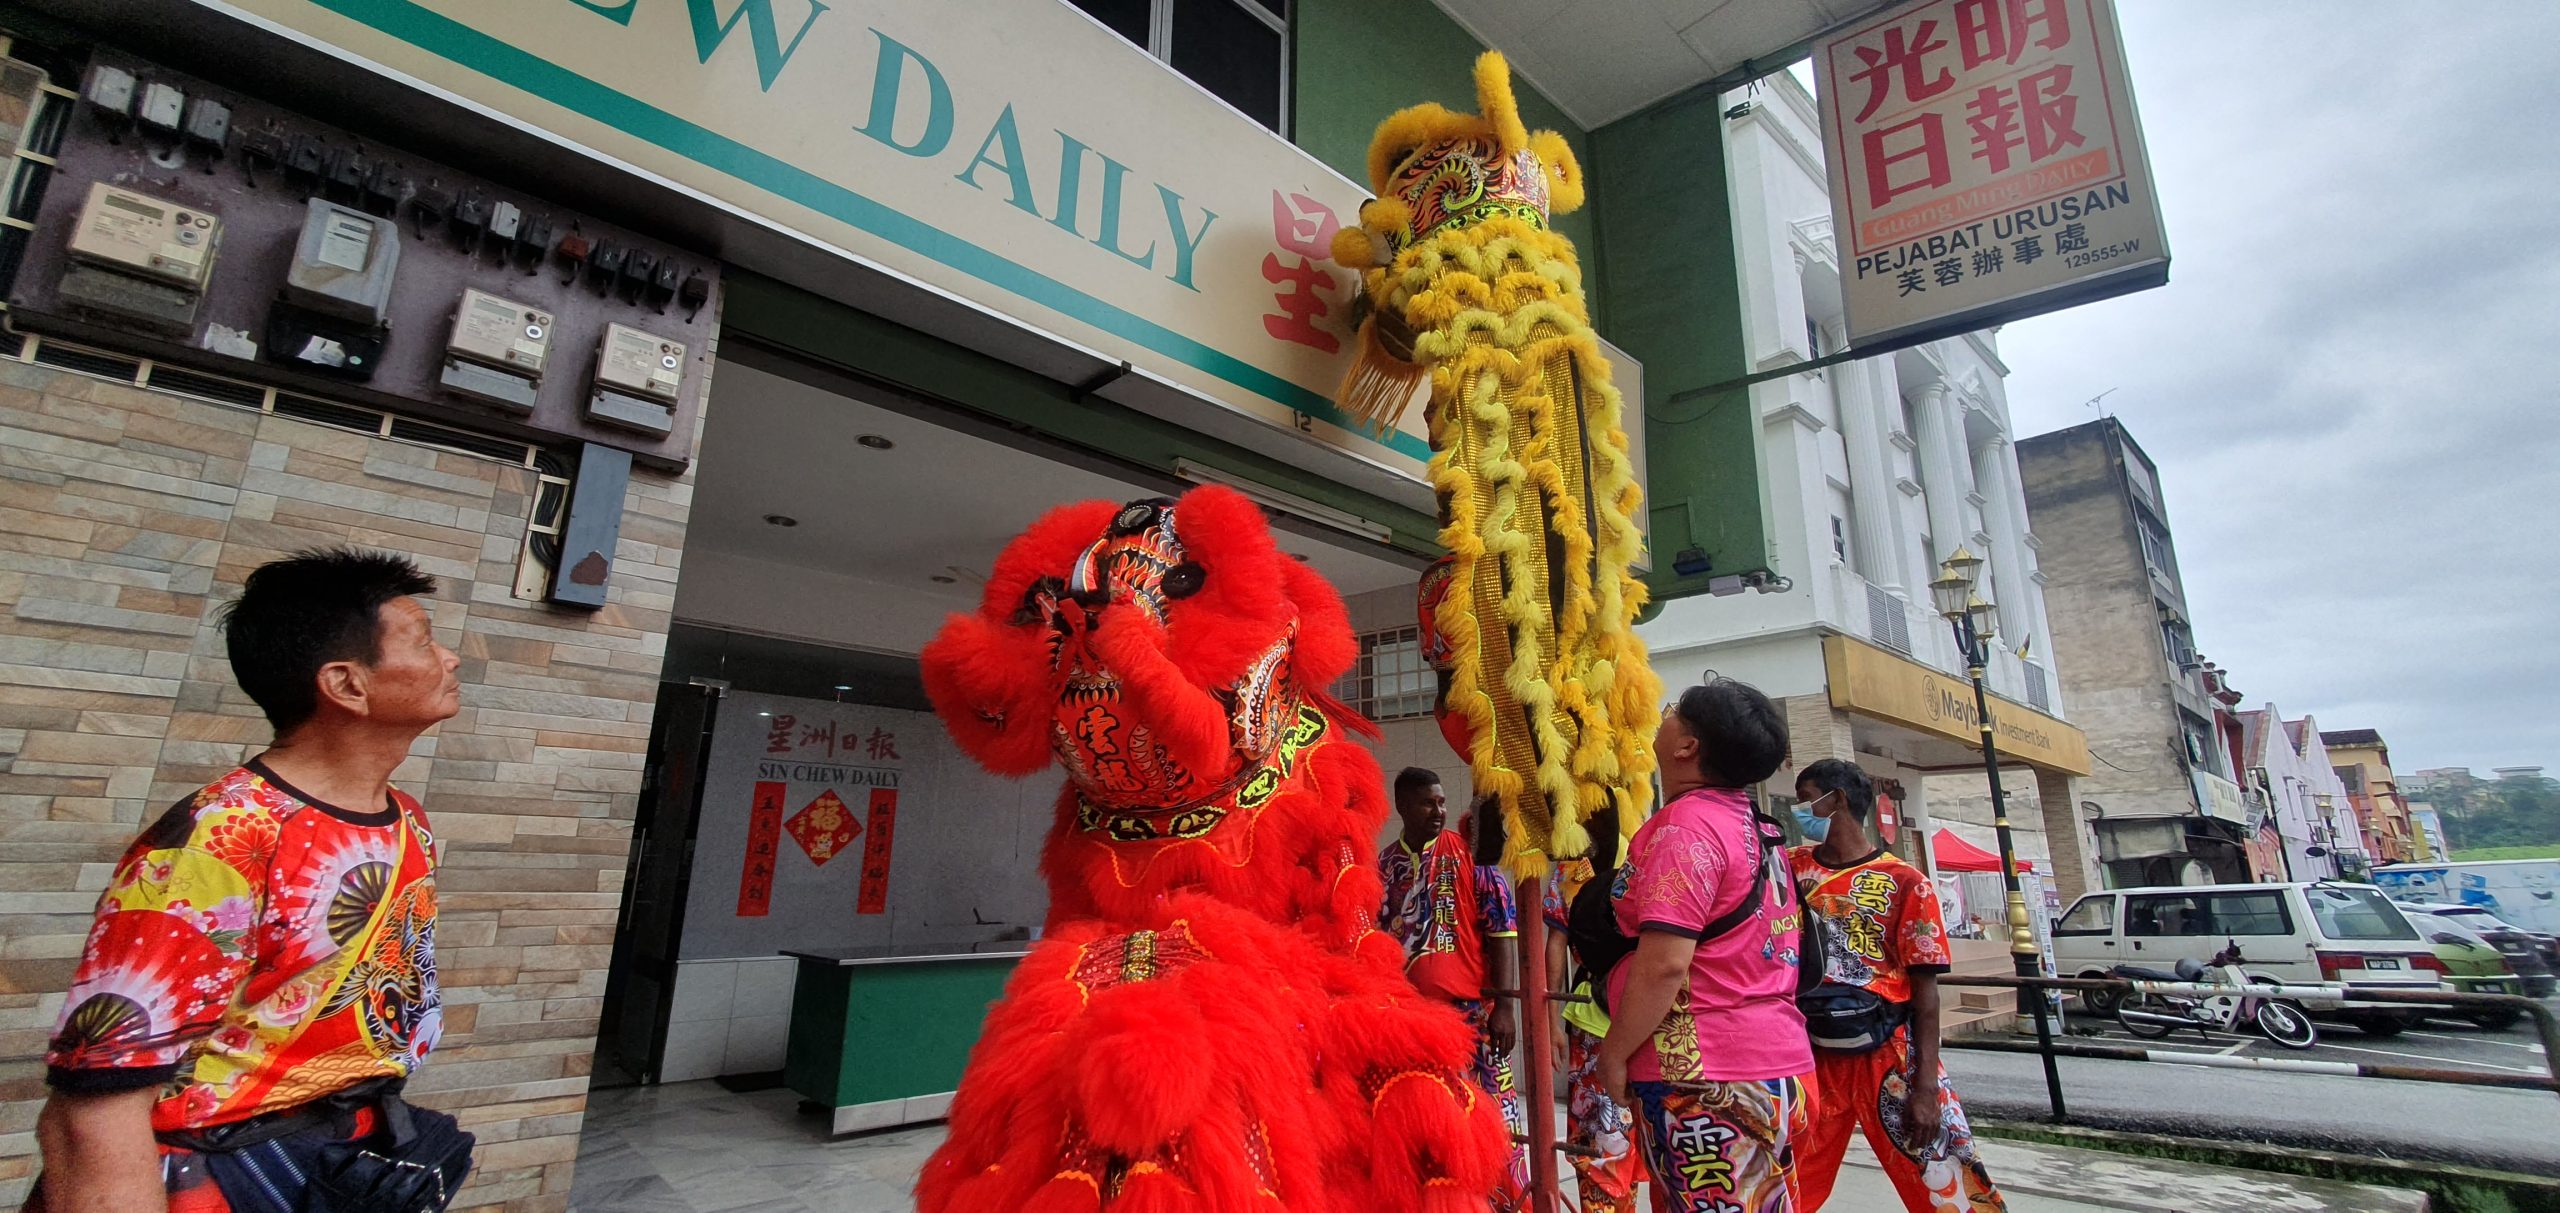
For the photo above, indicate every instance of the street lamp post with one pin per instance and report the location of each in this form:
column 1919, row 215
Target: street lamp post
column 1969, row 614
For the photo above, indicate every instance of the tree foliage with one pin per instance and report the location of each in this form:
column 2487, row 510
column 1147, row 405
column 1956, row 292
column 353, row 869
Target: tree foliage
column 2478, row 813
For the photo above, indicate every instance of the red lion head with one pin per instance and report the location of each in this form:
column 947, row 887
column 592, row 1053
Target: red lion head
column 1159, row 649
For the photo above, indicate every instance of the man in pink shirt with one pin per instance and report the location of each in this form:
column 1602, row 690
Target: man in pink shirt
column 1705, row 1041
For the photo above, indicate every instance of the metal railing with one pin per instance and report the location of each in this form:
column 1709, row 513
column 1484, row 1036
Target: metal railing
column 2544, row 1022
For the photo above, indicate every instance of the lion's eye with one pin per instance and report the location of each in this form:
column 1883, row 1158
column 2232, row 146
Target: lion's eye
column 1184, row 579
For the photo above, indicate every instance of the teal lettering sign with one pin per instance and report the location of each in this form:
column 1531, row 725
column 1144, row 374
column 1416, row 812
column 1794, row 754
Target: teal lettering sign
column 1031, row 155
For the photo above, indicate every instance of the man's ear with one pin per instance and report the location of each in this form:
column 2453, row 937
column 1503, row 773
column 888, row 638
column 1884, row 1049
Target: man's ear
column 343, row 683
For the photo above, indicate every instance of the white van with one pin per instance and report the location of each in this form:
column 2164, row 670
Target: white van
column 2344, row 936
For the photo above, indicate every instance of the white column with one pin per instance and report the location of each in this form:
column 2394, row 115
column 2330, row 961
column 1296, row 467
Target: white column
column 1860, row 390
column 2008, row 555
column 2038, row 627
column 1945, row 476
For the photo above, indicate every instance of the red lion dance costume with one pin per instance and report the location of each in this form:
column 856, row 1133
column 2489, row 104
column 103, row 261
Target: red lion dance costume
column 1211, row 1021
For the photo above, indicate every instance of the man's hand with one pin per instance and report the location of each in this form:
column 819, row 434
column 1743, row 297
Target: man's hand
column 99, row 1155
column 1504, row 1028
column 1563, row 1058
column 1921, row 1119
column 1612, row 1076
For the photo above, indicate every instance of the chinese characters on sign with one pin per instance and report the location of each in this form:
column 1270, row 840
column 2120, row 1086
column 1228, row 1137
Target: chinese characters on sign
column 874, row 898
column 764, row 845
column 1985, row 164
column 1304, row 229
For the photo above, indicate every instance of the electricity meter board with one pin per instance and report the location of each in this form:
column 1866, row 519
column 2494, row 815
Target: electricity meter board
column 249, row 171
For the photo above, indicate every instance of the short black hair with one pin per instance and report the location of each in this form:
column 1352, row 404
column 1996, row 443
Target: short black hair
column 298, row 614
column 1847, row 778
column 1742, row 738
column 1414, row 779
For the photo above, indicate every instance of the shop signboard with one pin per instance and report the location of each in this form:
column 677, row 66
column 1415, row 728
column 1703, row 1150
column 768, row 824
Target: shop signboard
column 1011, row 153
column 1887, row 686
column 1986, row 163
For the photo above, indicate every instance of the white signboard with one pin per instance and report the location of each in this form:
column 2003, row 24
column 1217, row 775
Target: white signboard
column 1011, row 152
column 1986, row 163
column 828, row 825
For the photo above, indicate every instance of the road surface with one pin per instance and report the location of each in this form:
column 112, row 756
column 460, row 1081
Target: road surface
column 2479, row 1126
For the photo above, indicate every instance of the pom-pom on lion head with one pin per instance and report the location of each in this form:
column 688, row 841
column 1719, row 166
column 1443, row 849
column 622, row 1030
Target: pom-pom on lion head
column 1433, row 168
column 1157, row 648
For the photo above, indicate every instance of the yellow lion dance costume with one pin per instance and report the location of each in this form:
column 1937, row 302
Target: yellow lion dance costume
column 1548, row 692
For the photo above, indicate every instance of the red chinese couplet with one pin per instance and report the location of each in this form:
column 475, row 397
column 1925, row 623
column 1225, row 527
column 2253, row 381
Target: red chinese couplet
column 875, row 852
column 764, row 843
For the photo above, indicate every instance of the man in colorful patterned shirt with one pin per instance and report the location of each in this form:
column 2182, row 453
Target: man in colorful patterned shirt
column 268, row 946
column 1881, row 932
column 1455, row 917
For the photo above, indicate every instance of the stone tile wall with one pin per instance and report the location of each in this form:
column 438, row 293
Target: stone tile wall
column 126, row 517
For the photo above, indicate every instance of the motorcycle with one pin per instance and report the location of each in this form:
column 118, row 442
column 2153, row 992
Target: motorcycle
column 2252, row 1002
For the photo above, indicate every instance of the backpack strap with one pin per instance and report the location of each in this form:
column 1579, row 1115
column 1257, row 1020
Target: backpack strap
column 1724, row 923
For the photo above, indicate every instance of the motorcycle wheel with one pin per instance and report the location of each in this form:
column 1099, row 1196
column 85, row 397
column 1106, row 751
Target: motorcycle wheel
column 2285, row 1024
column 2148, row 1004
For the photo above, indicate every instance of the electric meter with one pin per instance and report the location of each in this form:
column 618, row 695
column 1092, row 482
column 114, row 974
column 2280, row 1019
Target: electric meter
column 498, row 350
column 637, row 377
column 140, row 259
column 343, row 263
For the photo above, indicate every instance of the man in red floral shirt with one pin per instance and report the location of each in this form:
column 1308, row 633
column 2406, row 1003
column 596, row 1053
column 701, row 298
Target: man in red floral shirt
column 263, row 960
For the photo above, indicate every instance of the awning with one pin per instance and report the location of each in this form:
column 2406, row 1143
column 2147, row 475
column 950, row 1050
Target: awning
column 1954, row 854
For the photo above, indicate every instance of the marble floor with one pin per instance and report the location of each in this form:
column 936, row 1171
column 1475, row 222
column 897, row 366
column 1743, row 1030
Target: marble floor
column 696, row 1148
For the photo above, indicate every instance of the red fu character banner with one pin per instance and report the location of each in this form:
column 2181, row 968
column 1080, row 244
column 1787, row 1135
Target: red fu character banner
column 764, row 845
column 874, row 898
column 1986, row 163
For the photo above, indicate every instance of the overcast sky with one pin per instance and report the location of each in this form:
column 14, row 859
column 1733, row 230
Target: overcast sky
column 2349, row 382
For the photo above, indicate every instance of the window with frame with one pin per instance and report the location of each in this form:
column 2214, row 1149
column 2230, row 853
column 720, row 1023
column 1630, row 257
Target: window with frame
column 1390, row 681
column 2259, row 913
column 1237, row 49
column 2094, row 915
column 1839, row 539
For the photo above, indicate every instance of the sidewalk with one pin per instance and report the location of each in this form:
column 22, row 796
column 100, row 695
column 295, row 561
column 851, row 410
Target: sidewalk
column 696, row 1148
column 2056, row 1179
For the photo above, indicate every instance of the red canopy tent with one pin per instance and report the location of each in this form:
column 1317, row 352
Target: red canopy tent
column 1954, row 854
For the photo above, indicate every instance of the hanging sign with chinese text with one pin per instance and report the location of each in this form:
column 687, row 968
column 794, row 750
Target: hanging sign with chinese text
column 764, row 845
column 874, row 897
column 1986, row 163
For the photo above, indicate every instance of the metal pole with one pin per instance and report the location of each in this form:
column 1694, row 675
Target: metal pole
column 1537, row 1035
column 2022, row 936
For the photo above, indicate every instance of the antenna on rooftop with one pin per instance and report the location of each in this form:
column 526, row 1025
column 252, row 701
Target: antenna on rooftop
column 2092, row 402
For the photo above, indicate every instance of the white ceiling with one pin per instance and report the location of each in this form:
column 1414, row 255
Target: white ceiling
column 1602, row 60
column 898, row 517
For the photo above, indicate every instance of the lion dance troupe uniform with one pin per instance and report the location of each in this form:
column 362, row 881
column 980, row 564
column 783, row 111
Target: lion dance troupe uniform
column 255, row 950
column 1880, row 923
column 1444, row 905
column 1720, row 1087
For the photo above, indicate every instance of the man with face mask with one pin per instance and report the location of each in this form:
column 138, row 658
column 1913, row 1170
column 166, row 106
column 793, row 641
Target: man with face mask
column 1874, row 1020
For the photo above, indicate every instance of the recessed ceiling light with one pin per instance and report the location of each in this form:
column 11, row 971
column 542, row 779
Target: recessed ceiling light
column 942, row 579
column 785, row 520
column 844, row 686
column 875, row 442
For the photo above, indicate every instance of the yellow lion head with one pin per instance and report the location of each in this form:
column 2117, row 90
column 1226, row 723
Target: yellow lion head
column 1433, row 169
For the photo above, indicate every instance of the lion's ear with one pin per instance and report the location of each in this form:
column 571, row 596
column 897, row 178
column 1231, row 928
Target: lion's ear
column 1223, row 531
column 1325, row 648
column 1564, row 172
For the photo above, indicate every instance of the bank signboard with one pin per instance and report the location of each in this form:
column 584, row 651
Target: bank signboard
column 1986, row 163
column 1887, row 686
column 1011, row 153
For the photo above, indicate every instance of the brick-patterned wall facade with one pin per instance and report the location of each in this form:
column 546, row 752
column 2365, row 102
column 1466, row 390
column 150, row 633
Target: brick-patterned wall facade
column 126, row 517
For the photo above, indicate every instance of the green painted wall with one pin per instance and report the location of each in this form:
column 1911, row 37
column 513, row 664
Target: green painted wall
column 1361, row 60
column 1675, row 303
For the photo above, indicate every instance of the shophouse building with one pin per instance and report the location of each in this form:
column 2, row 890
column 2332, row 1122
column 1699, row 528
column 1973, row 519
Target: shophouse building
column 800, row 312
column 1877, row 470
column 2291, row 768
column 2364, row 767
column 2162, row 796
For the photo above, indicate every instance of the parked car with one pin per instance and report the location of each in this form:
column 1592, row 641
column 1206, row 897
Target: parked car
column 2520, row 950
column 2346, row 937
column 2473, row 966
